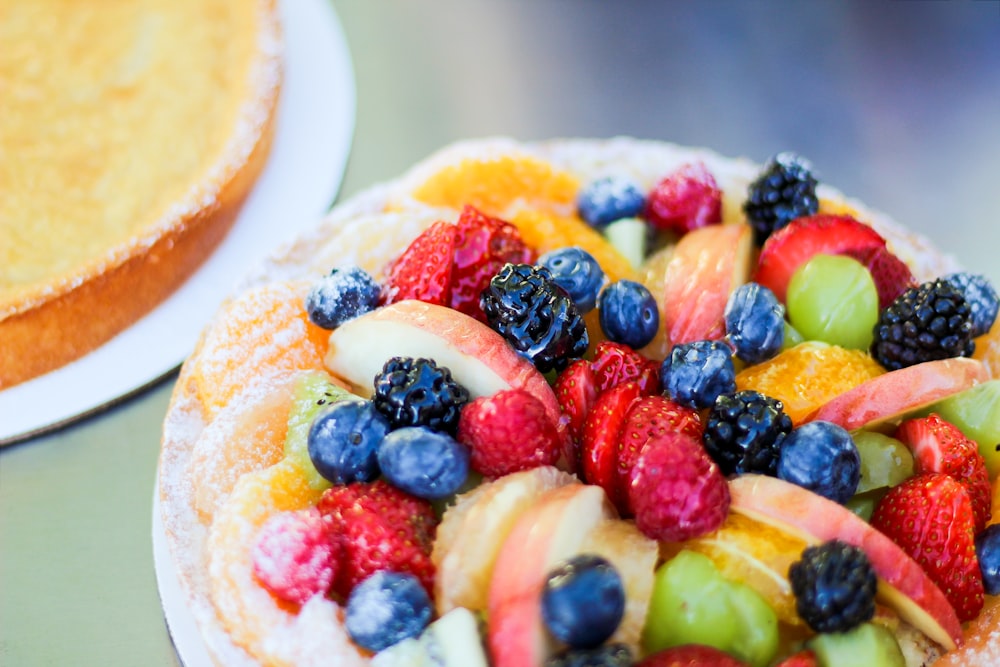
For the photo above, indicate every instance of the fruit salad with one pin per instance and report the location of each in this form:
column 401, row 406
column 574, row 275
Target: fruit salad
column 602, row 403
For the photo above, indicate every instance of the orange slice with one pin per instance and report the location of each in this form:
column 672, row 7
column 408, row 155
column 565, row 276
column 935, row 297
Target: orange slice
column 988, row 350
column 809, row 375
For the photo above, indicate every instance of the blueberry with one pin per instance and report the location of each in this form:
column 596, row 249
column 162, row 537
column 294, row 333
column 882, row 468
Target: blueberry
column 608, row 199
column 755, row 323
column 821, row 457
column 583, row 601
column 982, row 299
column 343, row 441
column 424, row 463
column 988, row 553
column 341, row 296
column 695, row 374
column 385, row 609
column 576, row 271
column 628, row 313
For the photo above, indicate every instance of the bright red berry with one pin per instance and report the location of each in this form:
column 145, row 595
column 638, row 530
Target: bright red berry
column 648, row 417
column 507, row 432
column 482, row 246
column 930, row 517
column 686, row 199
column 576, row 391
column 599, row 445
column 295, row 555
column 691, row 655
column 424, row 269
column 891, row 275
column 380, row 528
column 939, row 446
column 615, row 363
column 676, row 489
column 800, row 659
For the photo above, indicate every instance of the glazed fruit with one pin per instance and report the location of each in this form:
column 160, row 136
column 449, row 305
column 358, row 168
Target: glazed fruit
column 344, row 440
column 608, row 199
column 628, row 313
column 423, row 270
column 885, row 461
column 744, row 432
column 696, row 374
column 685, row 199
column 867, row 645
column 424, row 463
column 755, row 323
column 974, row 412
column 988, row 554
column 576, row 271
column 608, row 655
column 979, row 293
column 418, row 392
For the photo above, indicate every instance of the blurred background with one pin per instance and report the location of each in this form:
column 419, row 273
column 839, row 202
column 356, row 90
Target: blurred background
column 895, row 102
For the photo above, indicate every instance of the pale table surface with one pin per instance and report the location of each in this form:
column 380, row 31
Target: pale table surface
column 896, row 102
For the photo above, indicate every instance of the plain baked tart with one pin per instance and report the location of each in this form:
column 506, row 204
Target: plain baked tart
column 584, row 402
column 132, row 133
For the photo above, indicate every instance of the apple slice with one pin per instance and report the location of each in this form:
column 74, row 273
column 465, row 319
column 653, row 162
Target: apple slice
column 903, row 585
column 478, row 357
column 550, row 531
column 706, row 266
column 473, row 530
column 896, row 393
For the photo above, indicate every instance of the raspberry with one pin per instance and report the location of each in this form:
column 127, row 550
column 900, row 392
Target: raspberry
column 381, row 528
column 676, row 489
column 686, row 199
column 295, row 555
column 507, row 432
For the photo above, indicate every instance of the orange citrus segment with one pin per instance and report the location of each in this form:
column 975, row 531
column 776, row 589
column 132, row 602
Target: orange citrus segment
column 809, row 375
column 988, row 350
column 757, row 555
column 263, row 332
column 500, row 185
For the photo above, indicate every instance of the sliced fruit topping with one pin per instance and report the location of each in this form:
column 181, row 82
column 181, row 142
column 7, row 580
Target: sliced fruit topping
column 932, row 321
column 576, row 271
column 685, row 199
column 834, row 586
column 939, row 446
column 576, row 390
column 535, row 315
column 832, row 298
column 693, row 604
column 381, row 528
column 676, row 489
column 424, row 463
column 697, row 373
column 784, row 190
column 930, row 517
column 974, row 411
column 507, row 432
column 631, row 238
column 744, row 432
column 628, row 313
column 583, row 601
column 387, row 608
column 821, row 457
column 801, row 659
column 868, row 644
column 885, row 461
column 988, row 350
column 423, row 270
column 755, row 323
column 610, row 198
column 690, row 655
column 602, row 433
column 891, row 274
column 295, row 555
column 615, row 363
column 809, row 375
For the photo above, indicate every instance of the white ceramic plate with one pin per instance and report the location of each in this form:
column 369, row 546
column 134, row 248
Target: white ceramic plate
column 312, row 140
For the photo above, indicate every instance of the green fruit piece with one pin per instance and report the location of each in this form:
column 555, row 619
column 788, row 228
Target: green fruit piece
column 885, row 461
column 867, row 645
column 976, row 412
column 630, row 237
column 757, row 643
column 863, row 504
column 792, row 337
column 833, row 298
column 313, row 393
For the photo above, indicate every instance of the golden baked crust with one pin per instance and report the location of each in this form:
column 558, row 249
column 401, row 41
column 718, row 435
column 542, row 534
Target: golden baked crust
column 131, row 134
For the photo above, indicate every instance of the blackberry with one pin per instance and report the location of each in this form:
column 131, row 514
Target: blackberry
column 744, row 432
column 932, row 321
column 834, row 586
column 608, row 655
column 417, row 392
column 535, row 315
column 784, row 190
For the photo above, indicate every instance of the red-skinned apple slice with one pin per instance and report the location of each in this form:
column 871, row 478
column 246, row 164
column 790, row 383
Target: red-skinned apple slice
column 903, row 585
column 478, row 357
column 896, row 393
column 547, row 533
column 706, row 266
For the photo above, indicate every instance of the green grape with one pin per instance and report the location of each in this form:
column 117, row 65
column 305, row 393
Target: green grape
column 832, row 298
column 863, row 504
column 792, row 337
column 867, row 645
column 693, row 604
column 313, row 393
column 885, row 461
column 976, row 412
column 629, row 236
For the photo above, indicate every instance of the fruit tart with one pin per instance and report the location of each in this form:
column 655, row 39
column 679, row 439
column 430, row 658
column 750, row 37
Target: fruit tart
column 594, row 402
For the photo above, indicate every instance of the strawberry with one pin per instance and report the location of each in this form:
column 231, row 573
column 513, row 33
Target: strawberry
column 686, row 199
column 576, row 391
column 690, row 655
column 676, row 489
column 482, row 246
column 891, row 274
column 648, row 417
column 800, row 659
column 295, row 555
column 599, row 445
column 794, row 244
column 930, row 517
column 380, row 528
column 507, row 432
column 424, row 269
column 615, row 363
column 939, row 446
